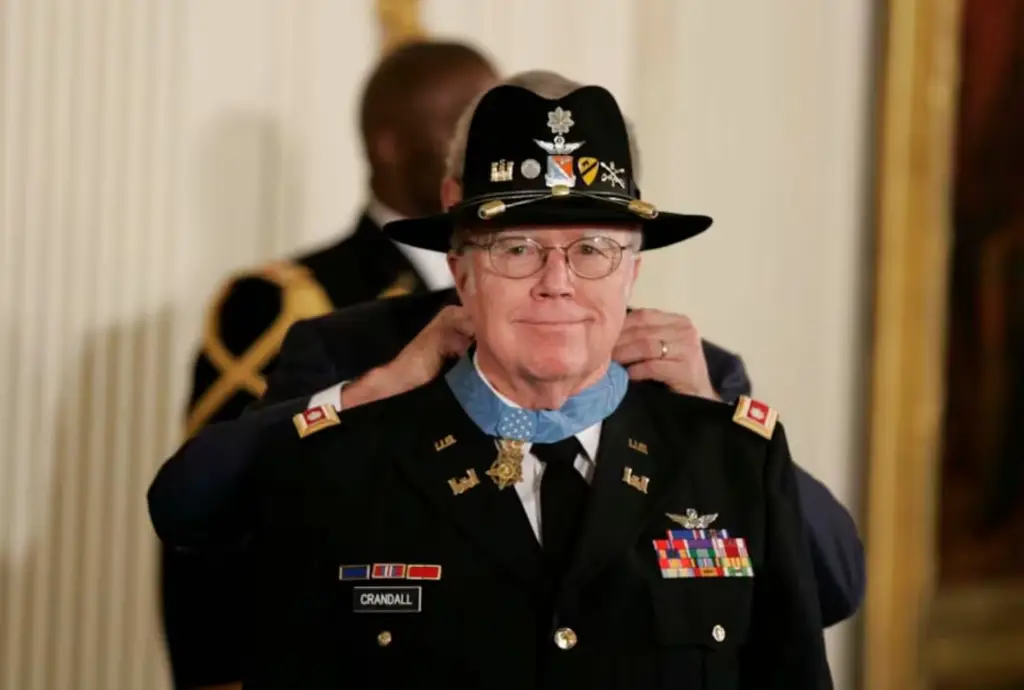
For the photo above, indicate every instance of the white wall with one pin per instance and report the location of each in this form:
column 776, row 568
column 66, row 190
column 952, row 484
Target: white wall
column 148, row 147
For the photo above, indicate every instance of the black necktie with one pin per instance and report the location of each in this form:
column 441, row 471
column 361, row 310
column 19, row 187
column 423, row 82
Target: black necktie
column 563, row 498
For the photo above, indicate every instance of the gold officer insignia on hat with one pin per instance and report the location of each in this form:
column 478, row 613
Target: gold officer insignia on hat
column 560, row 121
column 445, row 442
column 613, row 174
column 560, row 172
column 560, row 163
column 637, row 481
column 588, row 169
column 314, row 419
column 530, row 169
column 756, row 416
column 501, row 171
column 460, row 485
column 692, row 520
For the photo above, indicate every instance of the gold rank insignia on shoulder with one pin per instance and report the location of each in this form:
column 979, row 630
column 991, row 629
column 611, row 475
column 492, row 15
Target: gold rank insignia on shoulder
column 756, row 416
column 314, row 419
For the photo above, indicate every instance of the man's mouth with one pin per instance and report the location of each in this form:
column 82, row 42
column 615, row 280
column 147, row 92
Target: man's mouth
column 552, row 323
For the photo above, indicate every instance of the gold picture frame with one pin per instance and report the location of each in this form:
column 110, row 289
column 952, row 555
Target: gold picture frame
column 916, row 635
column 399, row 22
column 916, row 118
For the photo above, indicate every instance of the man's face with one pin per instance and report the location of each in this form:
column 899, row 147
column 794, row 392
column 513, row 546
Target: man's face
column 551, row 326
column 427, row 128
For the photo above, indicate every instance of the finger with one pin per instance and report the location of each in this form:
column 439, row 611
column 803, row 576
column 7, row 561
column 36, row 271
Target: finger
column 671, row 332
column 453, row 319
column 463, row 327
column 655, row 370
column 645, row 348
column 631, row 352
column 459, row 346
column 455, row 344
column 641, row 351
column 654, row 317
column 450, row 314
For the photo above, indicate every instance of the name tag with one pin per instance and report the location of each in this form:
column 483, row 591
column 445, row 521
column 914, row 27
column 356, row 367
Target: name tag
column 387, row 599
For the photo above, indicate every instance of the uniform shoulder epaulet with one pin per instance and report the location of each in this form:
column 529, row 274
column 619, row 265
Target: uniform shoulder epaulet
column 302, row 297
column 756, row 416
column 314, row 419
column 404, row 285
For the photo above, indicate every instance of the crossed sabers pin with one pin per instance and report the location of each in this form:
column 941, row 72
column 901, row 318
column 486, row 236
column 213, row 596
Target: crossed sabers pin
column 613, row 174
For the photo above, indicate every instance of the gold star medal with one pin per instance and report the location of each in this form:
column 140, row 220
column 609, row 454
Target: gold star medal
column 507, row 468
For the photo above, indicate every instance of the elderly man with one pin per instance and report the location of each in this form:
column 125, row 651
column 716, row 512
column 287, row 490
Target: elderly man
column 531, row 518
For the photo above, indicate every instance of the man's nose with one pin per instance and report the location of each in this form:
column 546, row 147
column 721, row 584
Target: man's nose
column 556, row 279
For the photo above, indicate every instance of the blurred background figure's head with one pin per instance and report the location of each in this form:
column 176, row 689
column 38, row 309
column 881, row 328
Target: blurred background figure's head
column 410, row 106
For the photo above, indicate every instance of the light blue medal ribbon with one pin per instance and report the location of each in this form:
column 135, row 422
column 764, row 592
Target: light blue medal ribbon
column 495, row 418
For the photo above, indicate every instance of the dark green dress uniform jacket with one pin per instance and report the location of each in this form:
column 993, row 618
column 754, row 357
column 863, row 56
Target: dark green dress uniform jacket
column 375, row 489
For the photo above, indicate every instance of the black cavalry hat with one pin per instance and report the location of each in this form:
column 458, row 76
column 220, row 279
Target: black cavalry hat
column 536, row 161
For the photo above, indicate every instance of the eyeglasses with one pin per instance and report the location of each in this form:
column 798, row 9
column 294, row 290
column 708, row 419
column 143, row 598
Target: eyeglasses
column 520, row 257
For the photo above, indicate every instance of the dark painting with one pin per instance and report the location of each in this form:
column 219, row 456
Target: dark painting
column 981, row 534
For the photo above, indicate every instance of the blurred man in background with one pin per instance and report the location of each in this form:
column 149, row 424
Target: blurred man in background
column 409, row 109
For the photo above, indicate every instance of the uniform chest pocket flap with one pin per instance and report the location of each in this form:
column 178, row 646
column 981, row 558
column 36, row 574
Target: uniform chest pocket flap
column 713, row 613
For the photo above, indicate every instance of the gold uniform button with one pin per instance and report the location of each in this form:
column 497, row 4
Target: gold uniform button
column 384, row 638
column 718, row 632
column 565, row 638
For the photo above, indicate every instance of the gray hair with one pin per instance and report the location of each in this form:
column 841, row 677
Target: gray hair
column 543, row 83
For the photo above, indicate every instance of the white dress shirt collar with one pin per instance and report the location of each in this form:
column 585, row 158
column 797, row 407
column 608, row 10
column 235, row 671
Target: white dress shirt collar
column 432, row 267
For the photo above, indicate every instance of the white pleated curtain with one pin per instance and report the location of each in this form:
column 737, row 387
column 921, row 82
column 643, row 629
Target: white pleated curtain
column 147, row 148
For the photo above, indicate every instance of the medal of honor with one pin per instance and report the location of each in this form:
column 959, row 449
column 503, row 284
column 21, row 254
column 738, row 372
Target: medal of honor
column 507, row 468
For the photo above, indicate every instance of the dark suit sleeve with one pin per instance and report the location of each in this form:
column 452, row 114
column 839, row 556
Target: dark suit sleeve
column 238, row 319
column 836, row 549
column 835, row 544
column 197, row 499
column 727, row 372
column 786, row 646
column 303, row 368
column 194, row 500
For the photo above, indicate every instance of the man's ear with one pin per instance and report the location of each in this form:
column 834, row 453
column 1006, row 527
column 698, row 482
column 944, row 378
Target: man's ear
column 451, row 192
column 462, row 274
column 631, row 283
column 384, row 147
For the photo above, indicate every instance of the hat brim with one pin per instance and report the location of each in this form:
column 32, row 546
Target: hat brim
column 434, row 232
